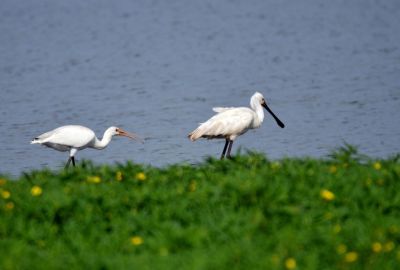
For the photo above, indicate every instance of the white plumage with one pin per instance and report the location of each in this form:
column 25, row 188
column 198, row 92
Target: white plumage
column 74, row 137
column 231, row 122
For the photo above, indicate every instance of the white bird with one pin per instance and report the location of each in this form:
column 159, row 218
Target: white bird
column 73, row 138
column 231, row 122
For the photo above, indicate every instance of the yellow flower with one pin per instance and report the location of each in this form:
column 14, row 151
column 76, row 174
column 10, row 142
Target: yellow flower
column 341, row 249
column 93, row 179
column 5, row 194
column 2, row 181
column 337, row 228
column 389, row 246
column 290, row 263
column 141, row 176
column 275, row 165
column 36, row 191
column 9, row 206
column 327, row 195
column 192, row 186
column 118, row 176
column 377, row 166
column 136, row 240
column 333, row 169
column 351, row 256
column 376, row 247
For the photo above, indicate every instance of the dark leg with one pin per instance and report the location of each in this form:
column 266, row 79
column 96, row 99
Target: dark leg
column 228, row 155
column 73, row 160
column 68, row 162
column 224, row 151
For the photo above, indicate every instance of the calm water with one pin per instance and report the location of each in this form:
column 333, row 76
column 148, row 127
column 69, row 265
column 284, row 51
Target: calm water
column 329, row 70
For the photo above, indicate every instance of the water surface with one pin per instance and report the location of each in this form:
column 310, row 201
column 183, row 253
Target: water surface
column 329, row 70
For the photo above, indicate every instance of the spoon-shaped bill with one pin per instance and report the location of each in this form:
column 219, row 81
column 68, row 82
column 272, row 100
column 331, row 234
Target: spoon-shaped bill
column 279, row 122
column 130, row 135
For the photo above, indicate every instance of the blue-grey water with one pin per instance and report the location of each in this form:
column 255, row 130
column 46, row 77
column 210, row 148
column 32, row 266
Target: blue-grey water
column 330, row 70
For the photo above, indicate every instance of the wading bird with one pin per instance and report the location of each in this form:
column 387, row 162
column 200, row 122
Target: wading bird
column 73, row 138
column 229, row 123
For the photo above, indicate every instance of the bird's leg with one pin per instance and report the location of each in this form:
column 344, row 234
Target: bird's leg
column 224, row 151
column 68, row 162
column 72, row 152
column 228, row 155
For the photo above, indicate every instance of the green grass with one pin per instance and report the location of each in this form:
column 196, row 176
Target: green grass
column 245, row 213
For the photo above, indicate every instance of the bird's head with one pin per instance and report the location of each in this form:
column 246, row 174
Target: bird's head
column 259, row 99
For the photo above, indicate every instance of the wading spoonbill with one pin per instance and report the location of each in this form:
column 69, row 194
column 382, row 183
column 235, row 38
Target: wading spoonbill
column 229, row 123
column 73, row 138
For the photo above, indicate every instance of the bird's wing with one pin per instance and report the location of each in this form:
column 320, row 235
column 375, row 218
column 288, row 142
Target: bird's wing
column 72, row 136
column 222, row 109
column 226, row 123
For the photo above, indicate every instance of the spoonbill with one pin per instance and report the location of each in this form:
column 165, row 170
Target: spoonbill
column 231, row 122
column 74, row 137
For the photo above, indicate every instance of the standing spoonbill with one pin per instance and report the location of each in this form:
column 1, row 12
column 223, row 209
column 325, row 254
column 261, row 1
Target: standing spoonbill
column 73, row 138
column 229, row 123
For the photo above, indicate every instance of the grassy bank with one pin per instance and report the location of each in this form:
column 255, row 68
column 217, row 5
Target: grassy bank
column 342, row 212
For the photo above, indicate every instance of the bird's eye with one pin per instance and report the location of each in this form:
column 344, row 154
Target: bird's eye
column 116, row 130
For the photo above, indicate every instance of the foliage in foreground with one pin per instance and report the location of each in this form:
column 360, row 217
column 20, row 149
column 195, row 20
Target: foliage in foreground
column 247, row 213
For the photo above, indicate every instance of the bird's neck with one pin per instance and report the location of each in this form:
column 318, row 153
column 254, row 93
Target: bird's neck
column 101, row 144
column 258, row 109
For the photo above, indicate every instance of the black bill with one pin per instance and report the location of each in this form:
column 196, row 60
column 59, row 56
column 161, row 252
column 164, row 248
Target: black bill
column 279, row 122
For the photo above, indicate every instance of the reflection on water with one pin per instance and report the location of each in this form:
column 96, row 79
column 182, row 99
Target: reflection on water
column 330, row 71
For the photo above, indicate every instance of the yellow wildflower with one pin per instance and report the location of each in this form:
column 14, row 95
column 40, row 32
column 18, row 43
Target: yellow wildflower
column 327, row 195
column 36, row 191
column 141, row 176
column 136, row 240
column 9, row 206
column 275, row 165
column 290, row 263
column 351, row 256
column 341, row 249
column 118, row 176
column 5, row 194
column 377, row 166
column 376, row 247
column 2, row 181
column 192, row 186
column 389, row 246
column 93, row 179
column 333, row 169
column 337, row 228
